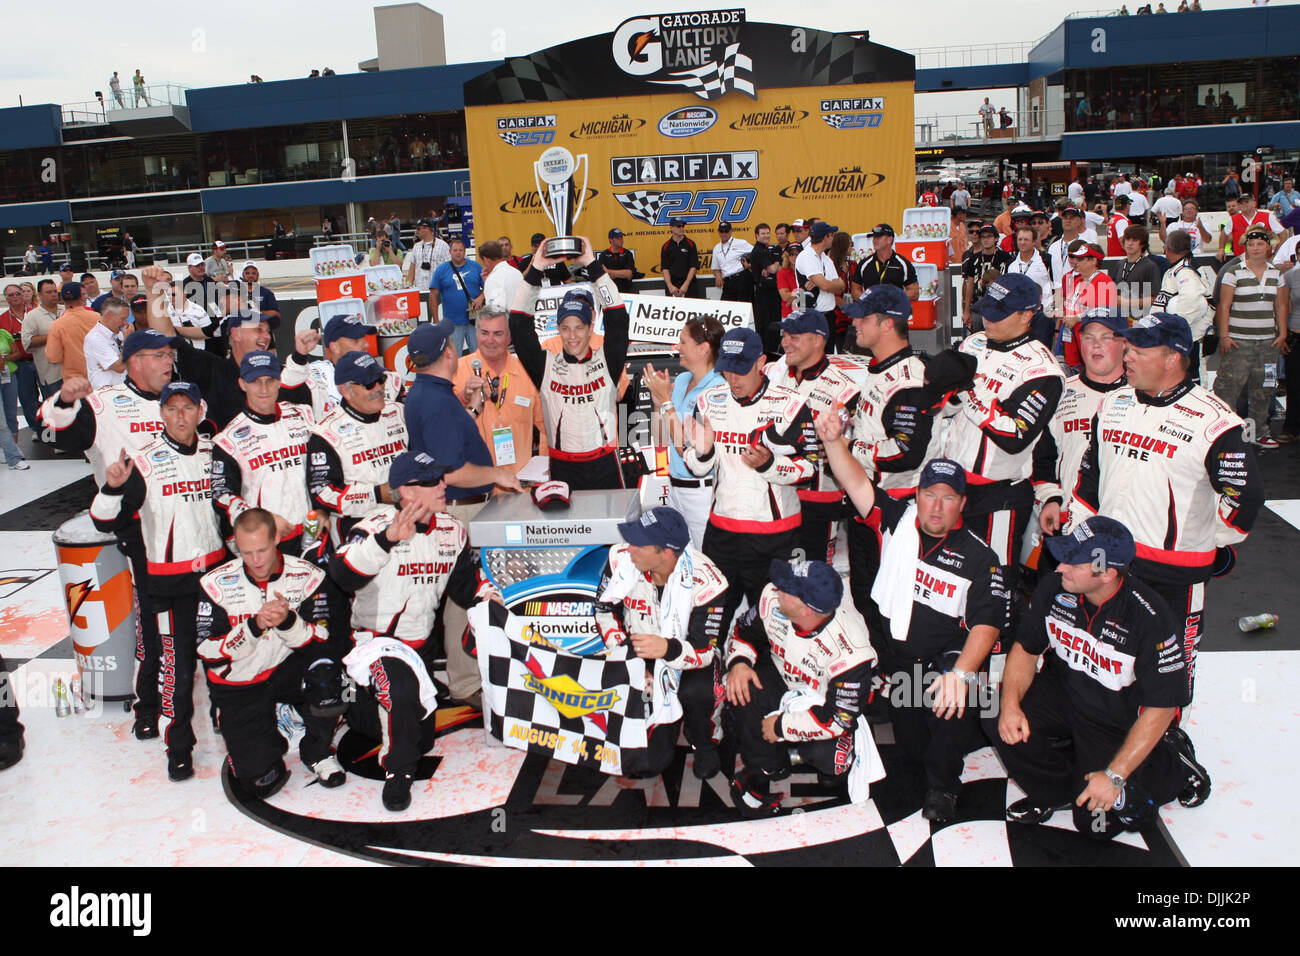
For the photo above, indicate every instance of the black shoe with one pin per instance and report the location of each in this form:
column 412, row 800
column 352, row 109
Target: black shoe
column 180, row 767
column 145, row 728
column 1177, row 738
column 707, row 763
column 329, row 772
column 11, row 751
column 940, row 805
column 753, row 798
column 397, row 792
column 269, row 784
column 1197, row 790
column 1026, row 811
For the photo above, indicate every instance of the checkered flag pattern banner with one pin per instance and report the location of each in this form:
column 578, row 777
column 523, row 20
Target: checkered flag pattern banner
column 579, row 710
column 713, row 80
column 642, row 204
column 833, row 120
column 509, row 137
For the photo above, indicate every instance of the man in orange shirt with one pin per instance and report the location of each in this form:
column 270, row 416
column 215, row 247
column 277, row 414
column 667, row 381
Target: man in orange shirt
column 64, row 343
column 500, row 395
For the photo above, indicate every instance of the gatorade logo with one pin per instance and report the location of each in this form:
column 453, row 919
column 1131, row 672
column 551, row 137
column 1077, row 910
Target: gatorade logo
column 918, row 254
column 345, row 287
column 401, row 303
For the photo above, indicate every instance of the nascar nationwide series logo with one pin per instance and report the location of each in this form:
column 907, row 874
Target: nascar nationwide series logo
column 526, row 130
column 846, row 181
column 656, row 206
column 688, row 121
column 781, row 117
column 609, row 128
column 697, row 51
column 857, row 112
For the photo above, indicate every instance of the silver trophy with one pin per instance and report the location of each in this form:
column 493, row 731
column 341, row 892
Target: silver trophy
column 556, row 169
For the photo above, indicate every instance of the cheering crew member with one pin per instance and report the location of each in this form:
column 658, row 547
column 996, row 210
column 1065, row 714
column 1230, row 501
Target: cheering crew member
column 795, row 638
column 1112, row 682
column 944, row 601
column 1060, row 449
column 619, row 263
column 399, row 561
column 264, row 638
column 825, row 389
column 679, row 261
column 760, row 438
column 103, row 424
column 259, row 460
column 578, row 384
column 216, row 375
column 765, row 263
column 167, row 484
column 1167, row 459
column 892, row 427
column 350, row 450
column 661, row 599
column 994, row 424
column 342, row 334
column 978, row 260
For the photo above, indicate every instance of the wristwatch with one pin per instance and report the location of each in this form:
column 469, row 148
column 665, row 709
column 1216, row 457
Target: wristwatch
column 966, row 677
column 1115, row 779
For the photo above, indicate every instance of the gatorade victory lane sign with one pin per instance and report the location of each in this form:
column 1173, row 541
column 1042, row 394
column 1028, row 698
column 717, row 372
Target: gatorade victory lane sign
column 702, row 116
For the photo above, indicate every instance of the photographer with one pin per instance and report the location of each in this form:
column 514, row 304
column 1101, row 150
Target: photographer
column 382, row 252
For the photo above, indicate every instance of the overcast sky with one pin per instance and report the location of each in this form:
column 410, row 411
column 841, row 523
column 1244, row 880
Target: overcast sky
column 64, row 56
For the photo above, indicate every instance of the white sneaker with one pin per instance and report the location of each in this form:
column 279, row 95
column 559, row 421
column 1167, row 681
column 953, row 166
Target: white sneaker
column 329, row 772
column 20, row 465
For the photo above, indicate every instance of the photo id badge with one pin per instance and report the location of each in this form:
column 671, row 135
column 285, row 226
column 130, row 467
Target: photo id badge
column 503, row 445
column 1270, row 375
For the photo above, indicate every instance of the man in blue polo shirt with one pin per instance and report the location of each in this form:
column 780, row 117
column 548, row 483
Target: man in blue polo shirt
column 458, row 285
column 439, row 425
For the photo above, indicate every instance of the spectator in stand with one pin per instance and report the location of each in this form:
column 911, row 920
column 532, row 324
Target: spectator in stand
column 29, row 260
column 217, row 266
column 986, row 115
column 1005, row 119
column 1285, row 199
column 47, row 259
column 394, row 228
column 139, row 89
column 1136, row 276
column 960, row 198
column 115, row 85
column 327, row 230
column 1231, row 185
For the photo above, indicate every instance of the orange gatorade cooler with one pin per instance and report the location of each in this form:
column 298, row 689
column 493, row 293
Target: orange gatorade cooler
column 97, row 591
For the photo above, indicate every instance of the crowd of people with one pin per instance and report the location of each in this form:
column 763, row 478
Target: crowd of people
column 299, row 530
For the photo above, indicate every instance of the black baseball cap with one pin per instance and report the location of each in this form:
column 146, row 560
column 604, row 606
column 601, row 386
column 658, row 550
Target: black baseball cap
column 662, row 527
column 815, row 583
column 615, row 232
column 357, row 368
column 1097, row 537
column 724, row 227
column 676, row 221
column 70, row 291
column 413, row 467
column 884, row 229
column 943, row 471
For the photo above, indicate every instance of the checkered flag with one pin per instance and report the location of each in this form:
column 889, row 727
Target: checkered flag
column 511, row 138
column 833, row 120
column 579, row 710
column 642, row 204
column 713, row 80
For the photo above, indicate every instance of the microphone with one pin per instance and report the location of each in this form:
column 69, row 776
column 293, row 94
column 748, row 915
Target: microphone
column 477, row 366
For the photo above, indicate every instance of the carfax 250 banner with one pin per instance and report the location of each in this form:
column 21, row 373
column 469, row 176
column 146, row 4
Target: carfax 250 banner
column 842, row 153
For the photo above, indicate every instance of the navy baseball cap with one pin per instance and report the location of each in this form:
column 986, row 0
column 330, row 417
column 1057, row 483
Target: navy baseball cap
column 884, row 229
column 423, row 224
column 1072, row 211
column 806, row 320
column 1097, row 537
column 243, row 317
column 259, row 364
column 820, row 230
column 676, row 221
column 1107, row 317
column 345, row 327
column 188, row 389
column 740, row 349
column 1021, row 212
column 815, row 583
column 880, row 300
column 429, row 340
column 943, row 471
column 66, row 267
column 1161, row 328
column 1009, row 293
column 988, row 227
column 413, row 468
column 358, row 368
column 578, row 304
column 615, row 232
column 138, row 302
column 70, row 291
column 116, row 274
column 662, row 527
column 147, row 339
column 724, row 227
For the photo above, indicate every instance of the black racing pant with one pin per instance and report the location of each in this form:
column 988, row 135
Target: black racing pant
column 998, row 516
column 591, row 475
column 1187, row 601
column 864, row 564
column 833, row 756
column 745, row 560
column 696, row 693
column 11, row 730
column 767, row 318
column 738, row 287
column 817, row 528
column 939, row 745
column 1052, row 774
column 148, row 650
column 395, row 720
column 254, row 744
column 178, row 640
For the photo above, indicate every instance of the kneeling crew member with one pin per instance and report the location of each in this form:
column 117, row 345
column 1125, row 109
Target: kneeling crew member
column 399, row 560
column 824, row 656
column 1112, row 682
column 664, row 600
column 943, row 599
column 263, row 636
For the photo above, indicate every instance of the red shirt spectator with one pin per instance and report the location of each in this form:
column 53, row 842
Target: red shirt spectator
column 1080, row 293
column 1114, row 233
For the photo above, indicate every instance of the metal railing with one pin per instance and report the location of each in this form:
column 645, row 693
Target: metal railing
column 980, row 54
column 964, row 129
column 101, row 110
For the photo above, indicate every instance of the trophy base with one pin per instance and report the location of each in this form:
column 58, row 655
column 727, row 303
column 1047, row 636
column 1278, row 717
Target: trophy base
column 563, row 247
